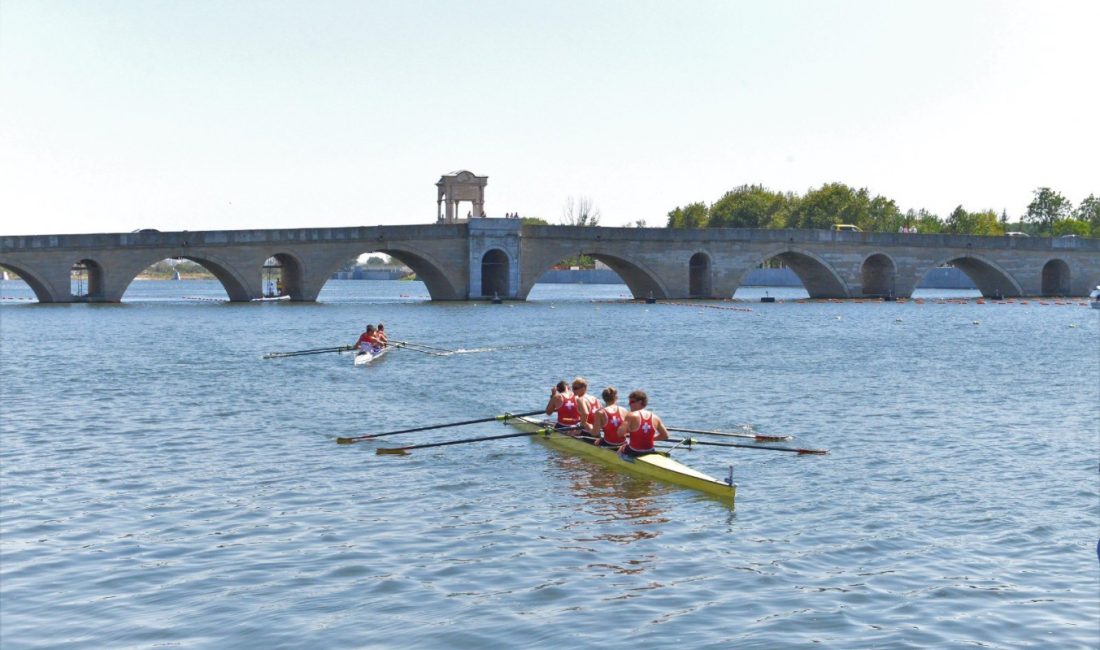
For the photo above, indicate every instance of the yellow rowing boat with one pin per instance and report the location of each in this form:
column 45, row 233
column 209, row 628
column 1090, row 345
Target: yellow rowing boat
column 658, row 466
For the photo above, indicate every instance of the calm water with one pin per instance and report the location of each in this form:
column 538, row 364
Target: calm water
column 162, row 485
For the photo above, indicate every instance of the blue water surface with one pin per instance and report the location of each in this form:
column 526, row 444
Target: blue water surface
column 163, row 485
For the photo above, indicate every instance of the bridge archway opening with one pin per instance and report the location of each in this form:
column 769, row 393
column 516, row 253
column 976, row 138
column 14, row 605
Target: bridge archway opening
column 989, row 279
column 790, row 269
column 86, row 280
column 426, row 279
column 495, row 267
column 14, row 279
column 280, row 276
column 1056, row 278
column 699, row 276
column 878, row 276
column 174, row 278
column 594, row 269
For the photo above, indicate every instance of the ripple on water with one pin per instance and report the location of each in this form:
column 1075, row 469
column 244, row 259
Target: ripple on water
column 193, row 494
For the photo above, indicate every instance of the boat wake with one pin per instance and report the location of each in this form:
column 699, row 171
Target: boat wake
column 469, row 351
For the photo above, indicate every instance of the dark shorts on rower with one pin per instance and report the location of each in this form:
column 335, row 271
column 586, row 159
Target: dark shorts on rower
column 627, row 451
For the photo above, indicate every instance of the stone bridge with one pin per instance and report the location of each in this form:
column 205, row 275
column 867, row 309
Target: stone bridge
column 486, row 257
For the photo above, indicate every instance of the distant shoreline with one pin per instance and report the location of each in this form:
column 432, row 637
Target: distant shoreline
column 941, row 278
column 183, row 276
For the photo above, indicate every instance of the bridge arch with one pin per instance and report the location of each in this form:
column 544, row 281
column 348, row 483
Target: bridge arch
column 290, row 275
column 699, row 276
column 818, row 277
column 642, row 281
column 89, row 283
column 427, row 269
column 1056, row 278
column 878, row 276
column 235, row 285
column 495, row 267
column 989, row 278
column 38, row 284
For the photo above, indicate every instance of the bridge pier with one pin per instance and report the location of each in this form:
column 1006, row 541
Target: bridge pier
column 493, row 259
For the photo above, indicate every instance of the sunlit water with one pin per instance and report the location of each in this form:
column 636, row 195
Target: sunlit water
column 162, row 485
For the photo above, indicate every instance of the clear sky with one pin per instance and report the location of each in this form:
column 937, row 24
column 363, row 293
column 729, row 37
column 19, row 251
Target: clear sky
column 210, row 114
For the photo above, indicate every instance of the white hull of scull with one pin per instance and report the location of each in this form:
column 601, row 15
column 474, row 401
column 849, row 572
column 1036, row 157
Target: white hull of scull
column 366, row 358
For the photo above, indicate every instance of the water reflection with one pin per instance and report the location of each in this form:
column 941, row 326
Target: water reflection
column 616, row 510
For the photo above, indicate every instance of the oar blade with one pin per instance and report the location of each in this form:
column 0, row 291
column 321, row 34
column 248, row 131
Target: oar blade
column 818, row 452
column 391, row 451
column 763, row 438
column 352, row 441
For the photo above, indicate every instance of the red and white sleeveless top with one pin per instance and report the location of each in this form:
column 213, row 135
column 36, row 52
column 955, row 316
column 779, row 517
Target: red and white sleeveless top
column 567, row 412
column 593, row 406
column 614, row 415
column 643, row 438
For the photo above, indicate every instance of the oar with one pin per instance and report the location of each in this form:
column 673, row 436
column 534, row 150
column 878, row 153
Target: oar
column 410, row 344
column 729, row 434
column 692, row 441
column 423, row 350
column 503, row 418
column 404, row 450
column 403, row 345
column 298, row 353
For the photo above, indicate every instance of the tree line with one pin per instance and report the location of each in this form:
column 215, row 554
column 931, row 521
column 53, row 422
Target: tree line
column 755, row 206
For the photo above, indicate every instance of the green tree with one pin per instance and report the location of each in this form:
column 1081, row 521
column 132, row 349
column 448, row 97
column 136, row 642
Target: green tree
column 693, row 215
column 961, row 222
column 1089, row 212
column 924, row 221
column 534, row 221
column 1047, row 207
column 832, row 203
column 883, row 215
column 749, row 206
column 1071, row 227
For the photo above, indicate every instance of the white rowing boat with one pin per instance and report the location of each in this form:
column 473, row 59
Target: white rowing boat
column 364, row 358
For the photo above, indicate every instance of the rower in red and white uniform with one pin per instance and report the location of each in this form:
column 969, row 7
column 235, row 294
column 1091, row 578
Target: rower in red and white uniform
column 368, row 341
column 564, row 403
column 380, row 335
column 642, row 427
column 587, row 405
column 608, row 420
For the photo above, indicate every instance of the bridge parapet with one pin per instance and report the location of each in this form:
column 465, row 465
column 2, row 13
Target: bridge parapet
column 184, row 238
column 763, row 235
